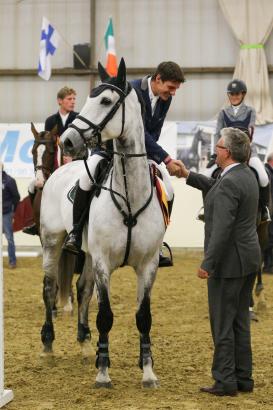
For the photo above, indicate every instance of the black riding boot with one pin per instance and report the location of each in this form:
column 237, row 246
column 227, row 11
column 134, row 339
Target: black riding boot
column 32, row 229
column 73, row 242
column 264, row 202
column 164, row 261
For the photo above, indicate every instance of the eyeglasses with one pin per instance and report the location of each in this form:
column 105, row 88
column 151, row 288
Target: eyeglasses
column 221, row 146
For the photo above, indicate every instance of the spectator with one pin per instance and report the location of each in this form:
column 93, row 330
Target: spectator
column 268, row 252
column 66, row 98
column 10, row 200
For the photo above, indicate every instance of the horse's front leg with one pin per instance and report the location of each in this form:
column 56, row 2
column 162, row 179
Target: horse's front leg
column 146, row 279
column 85, row 287
column 51, row 252
column 104, row 325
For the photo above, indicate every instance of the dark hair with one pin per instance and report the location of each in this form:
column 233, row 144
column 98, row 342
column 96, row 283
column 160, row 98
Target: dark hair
column 64, row 92
column 169, row 71
column 237, row 142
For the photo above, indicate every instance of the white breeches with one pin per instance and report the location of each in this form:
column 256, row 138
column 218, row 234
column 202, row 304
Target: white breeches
column 257, row 164
column 92, row 162
column 85, row 183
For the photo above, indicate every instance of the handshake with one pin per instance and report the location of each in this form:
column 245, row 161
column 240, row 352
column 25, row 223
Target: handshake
column 176, row 168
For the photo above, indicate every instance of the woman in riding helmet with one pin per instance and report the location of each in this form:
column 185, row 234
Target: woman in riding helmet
column 239, row 115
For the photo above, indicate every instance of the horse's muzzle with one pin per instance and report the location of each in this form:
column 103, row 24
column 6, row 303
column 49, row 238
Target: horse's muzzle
column 72, row 143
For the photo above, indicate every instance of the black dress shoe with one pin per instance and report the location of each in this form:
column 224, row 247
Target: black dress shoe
column 218, row 391
column 245, row 389
column 164, row 261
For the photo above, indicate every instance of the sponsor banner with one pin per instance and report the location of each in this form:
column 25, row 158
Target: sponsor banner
column 190, row 141
column 16, row 141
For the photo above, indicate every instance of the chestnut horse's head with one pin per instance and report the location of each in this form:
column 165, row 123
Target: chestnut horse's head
column 43, row 152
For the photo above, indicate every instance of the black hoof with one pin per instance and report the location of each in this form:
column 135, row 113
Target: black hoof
column 150, row 384
column 106, row 385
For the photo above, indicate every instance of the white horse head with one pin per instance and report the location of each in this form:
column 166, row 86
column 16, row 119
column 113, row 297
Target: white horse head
column 105, row 115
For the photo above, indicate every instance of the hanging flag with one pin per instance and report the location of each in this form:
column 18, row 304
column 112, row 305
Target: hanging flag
column 48, row 45
column 111, row 64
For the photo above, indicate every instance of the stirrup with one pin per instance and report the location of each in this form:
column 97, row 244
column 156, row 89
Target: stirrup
column 71, row 244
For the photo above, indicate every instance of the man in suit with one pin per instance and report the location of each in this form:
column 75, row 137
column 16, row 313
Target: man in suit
column 66, row 98
column 231, row 260
column 157, row 91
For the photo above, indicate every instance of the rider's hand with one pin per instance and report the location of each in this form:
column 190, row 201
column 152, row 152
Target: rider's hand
column 177, row 168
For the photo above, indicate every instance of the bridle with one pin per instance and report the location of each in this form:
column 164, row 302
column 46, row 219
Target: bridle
column 129, row 219
column 95, row 139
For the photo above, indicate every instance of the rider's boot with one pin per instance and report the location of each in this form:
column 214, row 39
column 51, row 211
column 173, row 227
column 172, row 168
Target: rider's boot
column 164, row 261
column 31, row 229
column 264, row 201
column 73, row 242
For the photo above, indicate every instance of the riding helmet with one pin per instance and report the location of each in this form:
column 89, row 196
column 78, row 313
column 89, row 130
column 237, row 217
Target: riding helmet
column 236, row 86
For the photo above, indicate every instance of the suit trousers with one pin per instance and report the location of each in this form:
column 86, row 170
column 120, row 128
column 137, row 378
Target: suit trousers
column 229, row 300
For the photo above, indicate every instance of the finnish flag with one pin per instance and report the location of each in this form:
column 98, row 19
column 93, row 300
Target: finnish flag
column 48, row 45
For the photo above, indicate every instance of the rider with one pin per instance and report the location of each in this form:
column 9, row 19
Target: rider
column 157, row 92
column 66, row 98
column 240, row 115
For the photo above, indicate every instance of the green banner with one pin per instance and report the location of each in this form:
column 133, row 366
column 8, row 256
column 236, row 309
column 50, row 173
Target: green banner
column 248, row 46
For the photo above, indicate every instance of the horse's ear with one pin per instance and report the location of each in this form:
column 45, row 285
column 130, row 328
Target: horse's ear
column 102, row 73
column 34, row 131
column 121, row 77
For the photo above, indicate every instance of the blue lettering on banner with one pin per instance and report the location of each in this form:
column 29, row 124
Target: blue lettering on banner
column 8, row 146
column 25, row 152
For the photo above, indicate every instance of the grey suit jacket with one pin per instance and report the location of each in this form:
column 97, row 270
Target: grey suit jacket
column 242, row 113
column 231, row 203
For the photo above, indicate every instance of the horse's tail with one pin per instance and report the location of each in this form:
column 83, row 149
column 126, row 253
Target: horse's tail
column 65, row 276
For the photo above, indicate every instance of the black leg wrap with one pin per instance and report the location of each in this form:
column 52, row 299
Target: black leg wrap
column 102, row 359
column 105, row 315
column 145, row 351
column 83, row 333
column 47, row 334
column 143, row 316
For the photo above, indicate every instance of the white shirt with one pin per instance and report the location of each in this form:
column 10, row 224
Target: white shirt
column 153, row 98
column 229, row 167
column 236, row 108
column 64, row 117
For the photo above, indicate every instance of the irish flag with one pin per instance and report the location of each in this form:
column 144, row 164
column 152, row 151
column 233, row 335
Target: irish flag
column 111, row 64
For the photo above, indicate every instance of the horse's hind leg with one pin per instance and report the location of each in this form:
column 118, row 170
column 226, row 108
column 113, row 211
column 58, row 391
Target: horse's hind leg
column 85, row 287
column 144, row 323
column 51, row 252
column 104, row 325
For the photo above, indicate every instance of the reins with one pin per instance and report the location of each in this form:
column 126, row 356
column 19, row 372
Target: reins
column 129, row 219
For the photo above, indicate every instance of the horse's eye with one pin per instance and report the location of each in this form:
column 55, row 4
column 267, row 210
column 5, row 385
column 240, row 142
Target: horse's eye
column 106, row 101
